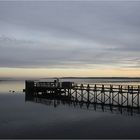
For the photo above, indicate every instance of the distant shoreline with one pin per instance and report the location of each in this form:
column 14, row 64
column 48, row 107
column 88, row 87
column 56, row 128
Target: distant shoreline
column 100, row 77
column 109, row 78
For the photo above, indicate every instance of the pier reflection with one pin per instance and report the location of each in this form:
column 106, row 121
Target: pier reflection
column 66, row 101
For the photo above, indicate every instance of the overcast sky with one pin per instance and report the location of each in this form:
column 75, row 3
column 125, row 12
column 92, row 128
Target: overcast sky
column 58, row 34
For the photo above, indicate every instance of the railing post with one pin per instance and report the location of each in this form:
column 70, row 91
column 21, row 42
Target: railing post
column 138, row 95
column 102, row 92
column 121, row 95
column 111, row 87
column 95, row 94
column 69, row 94
column 132, row 96
column 128, row 95
column 76, row 95
column 81, row 92
column 88, row 89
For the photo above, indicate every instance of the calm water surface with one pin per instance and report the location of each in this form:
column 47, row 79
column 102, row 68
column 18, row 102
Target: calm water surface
column 20, row 118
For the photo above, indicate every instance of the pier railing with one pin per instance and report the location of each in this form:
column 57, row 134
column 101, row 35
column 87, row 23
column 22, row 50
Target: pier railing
column 110, row 88
column 117, row 95
column 46, row 84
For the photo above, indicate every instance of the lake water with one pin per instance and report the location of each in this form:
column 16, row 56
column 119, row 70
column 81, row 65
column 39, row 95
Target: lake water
column 21, row 118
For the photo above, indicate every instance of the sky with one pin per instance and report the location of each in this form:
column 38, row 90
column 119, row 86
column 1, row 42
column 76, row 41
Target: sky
column 69, row 38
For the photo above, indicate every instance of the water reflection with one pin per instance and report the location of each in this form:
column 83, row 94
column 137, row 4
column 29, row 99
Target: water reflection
column 57, row 101
column 53, row 118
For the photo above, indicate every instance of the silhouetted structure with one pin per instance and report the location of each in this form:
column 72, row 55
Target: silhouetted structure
column 115, row 95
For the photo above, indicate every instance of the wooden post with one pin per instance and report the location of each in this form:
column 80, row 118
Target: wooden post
column 88, row 89
column 112, row 99
column 104, row 98
column 76, row 95
column 132, row 96
column 121, row 95
column 82, row 92
column 138, row 96
column 69, row 92
column 102, row 91
column 111, row 88
column 95, row 94
column 128, row 95
column 65, row 92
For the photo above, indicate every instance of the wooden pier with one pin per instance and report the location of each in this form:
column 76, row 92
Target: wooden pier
column 114, row 95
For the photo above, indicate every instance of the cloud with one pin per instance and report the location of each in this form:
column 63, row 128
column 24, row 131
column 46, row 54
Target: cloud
column 69, row 34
